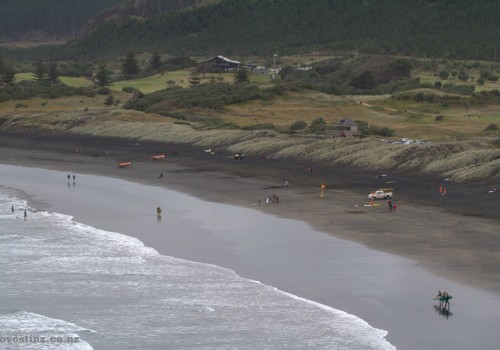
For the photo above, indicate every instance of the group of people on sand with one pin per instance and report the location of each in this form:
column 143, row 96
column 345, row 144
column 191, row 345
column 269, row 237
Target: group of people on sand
column 273, row 198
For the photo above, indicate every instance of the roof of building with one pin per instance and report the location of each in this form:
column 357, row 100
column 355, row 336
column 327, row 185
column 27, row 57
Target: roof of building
column 222, row 58
column 346, row 122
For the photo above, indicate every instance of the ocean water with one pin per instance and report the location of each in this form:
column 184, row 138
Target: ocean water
column 73, row 286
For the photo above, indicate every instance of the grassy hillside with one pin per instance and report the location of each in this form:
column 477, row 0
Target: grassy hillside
column 257, row 117
column 466, row 160
column 416, row 120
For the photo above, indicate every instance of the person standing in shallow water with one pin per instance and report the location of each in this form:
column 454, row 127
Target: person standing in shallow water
column 25, row 214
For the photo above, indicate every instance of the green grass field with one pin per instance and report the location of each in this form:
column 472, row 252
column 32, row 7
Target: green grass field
column 76, row 81
column 23, row 76
column 155, row 82
column 180, row 78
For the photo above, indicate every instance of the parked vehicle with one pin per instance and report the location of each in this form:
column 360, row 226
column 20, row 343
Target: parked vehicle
column 383, row 193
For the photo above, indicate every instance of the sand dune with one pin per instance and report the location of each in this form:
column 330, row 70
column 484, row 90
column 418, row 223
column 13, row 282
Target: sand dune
column 461, row 160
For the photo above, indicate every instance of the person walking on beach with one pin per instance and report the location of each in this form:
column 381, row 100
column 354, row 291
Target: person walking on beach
column 69, row 177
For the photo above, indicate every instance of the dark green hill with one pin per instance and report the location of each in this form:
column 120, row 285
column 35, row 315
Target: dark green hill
column 47, row 19
column 467, row 29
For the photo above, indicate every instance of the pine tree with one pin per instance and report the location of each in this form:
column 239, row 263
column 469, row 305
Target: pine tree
column 40, row 70
column 101, row 76
column 53, row 73
column 194, row 79
column 8, row 75
column 130, row 66
column 2, row 66
column 155, row 61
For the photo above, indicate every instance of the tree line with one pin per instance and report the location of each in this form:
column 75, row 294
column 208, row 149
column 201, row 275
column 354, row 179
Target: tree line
column 465, row 29
column 47, row 18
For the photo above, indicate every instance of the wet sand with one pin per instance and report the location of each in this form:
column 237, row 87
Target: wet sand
column 463, row 248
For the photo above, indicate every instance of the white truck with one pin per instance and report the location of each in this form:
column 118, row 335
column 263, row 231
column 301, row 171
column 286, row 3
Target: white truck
column 383, row 193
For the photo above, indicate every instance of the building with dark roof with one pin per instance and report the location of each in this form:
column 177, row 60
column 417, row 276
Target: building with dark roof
column 218, row 63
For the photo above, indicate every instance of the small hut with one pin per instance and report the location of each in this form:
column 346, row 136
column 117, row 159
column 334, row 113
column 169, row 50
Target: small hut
column 344, row 128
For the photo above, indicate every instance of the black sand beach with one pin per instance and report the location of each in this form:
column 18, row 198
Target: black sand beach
column 454, row 236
